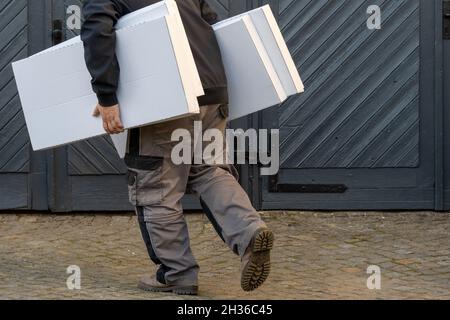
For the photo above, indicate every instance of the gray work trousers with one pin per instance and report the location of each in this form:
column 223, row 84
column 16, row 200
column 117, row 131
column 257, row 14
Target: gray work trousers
column 156, row 192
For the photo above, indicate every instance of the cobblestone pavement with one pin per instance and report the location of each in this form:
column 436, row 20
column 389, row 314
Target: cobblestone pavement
column 316, row 256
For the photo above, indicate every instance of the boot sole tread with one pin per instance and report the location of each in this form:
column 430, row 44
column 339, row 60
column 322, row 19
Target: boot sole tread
column 257, row 270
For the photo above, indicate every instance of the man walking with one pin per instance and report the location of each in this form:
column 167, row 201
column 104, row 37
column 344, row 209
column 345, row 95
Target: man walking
column 156, row 185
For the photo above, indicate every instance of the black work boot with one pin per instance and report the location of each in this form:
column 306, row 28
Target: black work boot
column 153, row 285
column 255, row 266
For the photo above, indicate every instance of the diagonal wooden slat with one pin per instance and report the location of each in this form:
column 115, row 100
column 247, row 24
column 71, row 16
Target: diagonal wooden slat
column 342, row 59
column 377, row 122
column 359, row 84
column 393, row 131
column 365, row 75
column 14, row 140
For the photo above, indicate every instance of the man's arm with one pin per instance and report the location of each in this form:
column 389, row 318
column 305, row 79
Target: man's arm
column 99, row 38
column 208, row 13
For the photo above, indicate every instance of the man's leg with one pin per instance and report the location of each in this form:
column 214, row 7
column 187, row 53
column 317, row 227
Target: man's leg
column 156, row 191
column 228, row 207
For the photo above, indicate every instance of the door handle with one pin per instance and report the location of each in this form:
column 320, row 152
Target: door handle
column 57, row 32
column 446, row 19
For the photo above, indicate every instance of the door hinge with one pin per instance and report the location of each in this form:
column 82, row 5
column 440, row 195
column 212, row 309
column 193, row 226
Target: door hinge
column 276, row 187
column 446, row 19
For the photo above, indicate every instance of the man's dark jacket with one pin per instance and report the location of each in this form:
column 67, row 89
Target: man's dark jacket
column 98, row 35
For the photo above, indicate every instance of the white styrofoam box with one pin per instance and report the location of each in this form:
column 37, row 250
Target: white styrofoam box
column 151, row 12
column 253, row 83
column 275, row 45
column 160, row 9
column 58, row 100
column 120, row 142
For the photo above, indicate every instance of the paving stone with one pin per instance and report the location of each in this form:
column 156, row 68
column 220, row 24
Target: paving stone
column 317, row 255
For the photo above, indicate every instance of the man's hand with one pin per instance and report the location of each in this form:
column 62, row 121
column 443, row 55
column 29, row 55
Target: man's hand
column 111, row 118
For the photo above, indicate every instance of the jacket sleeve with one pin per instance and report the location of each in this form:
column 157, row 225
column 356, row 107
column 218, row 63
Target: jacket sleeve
column 99, row 39
column 208, row 13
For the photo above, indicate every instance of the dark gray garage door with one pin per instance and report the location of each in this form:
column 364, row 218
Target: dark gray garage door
column 22, row 174
column 15, row 159
column 361, row 137
column 369, row 133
